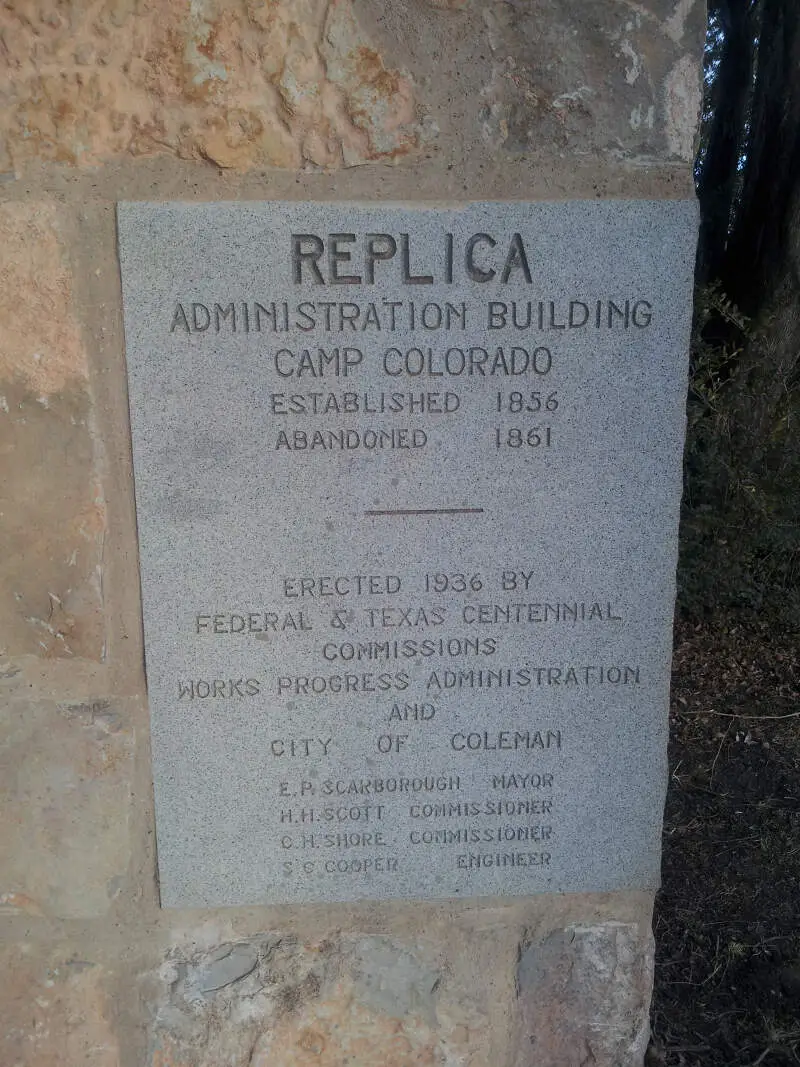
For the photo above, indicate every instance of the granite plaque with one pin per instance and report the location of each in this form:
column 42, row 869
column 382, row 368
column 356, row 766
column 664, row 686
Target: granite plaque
column 407, row 484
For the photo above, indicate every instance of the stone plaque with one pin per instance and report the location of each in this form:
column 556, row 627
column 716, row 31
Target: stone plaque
column 407, row 484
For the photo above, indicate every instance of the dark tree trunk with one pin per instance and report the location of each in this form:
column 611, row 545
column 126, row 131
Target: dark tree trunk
column 758, row 244
column 762, row 266
column 725, row 113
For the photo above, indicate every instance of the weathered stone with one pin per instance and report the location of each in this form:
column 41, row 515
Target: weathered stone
column 584, row 997
column 243, row 84
column 52, row 509
column 394, row 981
column 376, row 117
column 276, row 1000
column 337, row 1031
column 55, row 1012
column 223, row 967
column 682, row 104
column 65, row 794
column 282, row 83
column 625, row 82
column 41, row 346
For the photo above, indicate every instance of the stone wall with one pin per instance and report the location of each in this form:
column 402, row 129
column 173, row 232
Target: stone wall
column 102, row 100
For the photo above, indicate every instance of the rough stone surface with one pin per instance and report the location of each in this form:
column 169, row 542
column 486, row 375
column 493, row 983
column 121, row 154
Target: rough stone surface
column 240, row 84
column 52, row 510
column 55, row 1011
column 584, row 997
column 273, row 1000
column 65, row 773
column 393, row 981
column 626, row 81
column 332, row 83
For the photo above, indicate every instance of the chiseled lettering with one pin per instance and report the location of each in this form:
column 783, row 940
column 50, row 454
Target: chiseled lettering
column 223, row 315
column 337, row 254
column 476, row 860
column 380, row 247
column 179, row 319
column 474, row 272
column 217, row 688
column 516, row 260
column 505, row 740
column 405, row 257
column 341, row 585
column 307, row 250
column 300, row 747
column 253, row 622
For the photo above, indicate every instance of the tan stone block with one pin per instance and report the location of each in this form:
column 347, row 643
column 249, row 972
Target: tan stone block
column 54, row 1012
column 65, row 773
column 235, row 82
column 272, row 1000
column 338, row 1030
column 41, row 347
column 52, row 510
column 379, row 101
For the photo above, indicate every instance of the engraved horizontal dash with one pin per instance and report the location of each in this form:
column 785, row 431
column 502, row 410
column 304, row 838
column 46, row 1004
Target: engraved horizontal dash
column 426, row 511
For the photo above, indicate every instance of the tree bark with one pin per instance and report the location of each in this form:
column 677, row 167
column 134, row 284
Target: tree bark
column 757, row 249
column 724, row 119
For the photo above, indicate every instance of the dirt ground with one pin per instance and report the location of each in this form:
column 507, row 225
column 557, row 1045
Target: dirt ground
column 727, row 921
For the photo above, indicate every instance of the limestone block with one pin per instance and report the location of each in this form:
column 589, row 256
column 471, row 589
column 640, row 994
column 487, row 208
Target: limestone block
column 606, row 78
column 52, row 510
column 610, row 81
column 324, row 84
column 54, row 1012
column 240, row 83
column 65, row 772
column 271, row 1000
column 584, row 997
